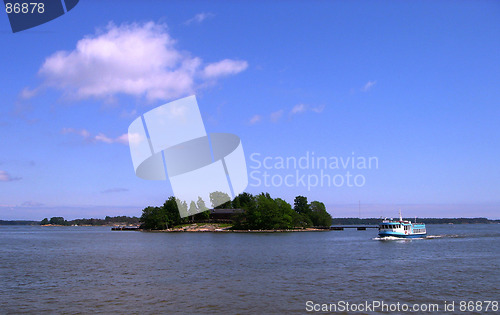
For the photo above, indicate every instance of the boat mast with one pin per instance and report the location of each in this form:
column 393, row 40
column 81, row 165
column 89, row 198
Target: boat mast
column 400, row 217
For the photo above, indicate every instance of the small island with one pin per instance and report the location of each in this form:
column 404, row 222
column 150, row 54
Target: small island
column 246, row 212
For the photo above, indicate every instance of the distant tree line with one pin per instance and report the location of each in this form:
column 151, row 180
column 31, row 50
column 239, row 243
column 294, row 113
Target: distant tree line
column 260, row 212
column 355, row 221
column 18, row 222
column 94, row 222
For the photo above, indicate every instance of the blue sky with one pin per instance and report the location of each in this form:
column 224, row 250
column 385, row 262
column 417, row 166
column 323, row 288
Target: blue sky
column 414, row 84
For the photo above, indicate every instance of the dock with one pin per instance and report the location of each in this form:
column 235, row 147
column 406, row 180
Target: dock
column 125, row 228
column 358, row 227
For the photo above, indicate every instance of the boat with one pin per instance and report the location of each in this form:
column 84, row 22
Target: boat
column 401, row 228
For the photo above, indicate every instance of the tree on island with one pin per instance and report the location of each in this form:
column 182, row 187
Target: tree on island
column 303, row 209
column 154, row 218
column 319, row 216
column 45, row 221
column 58, row 221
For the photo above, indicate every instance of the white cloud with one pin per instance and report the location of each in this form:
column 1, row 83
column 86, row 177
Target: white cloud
column 318, row 109
column 128, row 114
column 200, row 17
column 6, row 177
column 103, row 138
column 275, row 116
column 224, row 67
column 302, row 108
column 28, row 93
column 82, row 132
column 297, row 109
column 100, row 137
column 368, row 86
column 114, row 190
column 132, row 59
column 255, row 119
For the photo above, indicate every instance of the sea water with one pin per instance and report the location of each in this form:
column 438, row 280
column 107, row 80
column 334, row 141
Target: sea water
column 94, row 269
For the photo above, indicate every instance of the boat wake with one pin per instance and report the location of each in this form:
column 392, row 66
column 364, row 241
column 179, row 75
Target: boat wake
column 441, row 236
column 491, row 235
column 431, row 237
column 393, row 238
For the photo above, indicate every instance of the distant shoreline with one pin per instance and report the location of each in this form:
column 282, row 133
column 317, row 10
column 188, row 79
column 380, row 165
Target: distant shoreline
column 336, row 221
column 233, row 231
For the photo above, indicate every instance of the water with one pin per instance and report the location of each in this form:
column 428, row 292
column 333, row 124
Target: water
column 92, row 269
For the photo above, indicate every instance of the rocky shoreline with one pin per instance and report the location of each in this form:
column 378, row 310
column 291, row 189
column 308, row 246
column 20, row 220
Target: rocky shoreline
column 218, row 229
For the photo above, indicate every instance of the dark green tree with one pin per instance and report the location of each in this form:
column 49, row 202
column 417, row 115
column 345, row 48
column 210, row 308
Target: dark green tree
column 319, row 216
column 58, row 221
column 244, row 200
column 154, row 218
column 262, row 212
column 172, row 211
column 285, row 214
column 45, row 221
column 303, row 210
column 301, row 206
